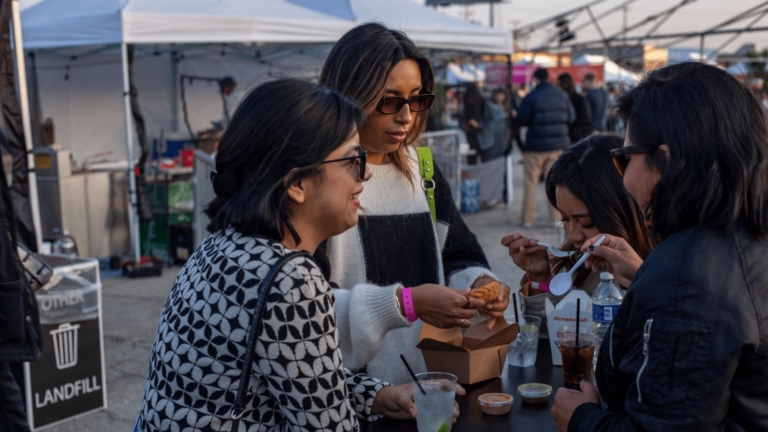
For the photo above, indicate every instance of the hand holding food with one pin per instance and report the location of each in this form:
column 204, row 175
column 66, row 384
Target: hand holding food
column 443, row 307
column 494, row 306
column 529, row 256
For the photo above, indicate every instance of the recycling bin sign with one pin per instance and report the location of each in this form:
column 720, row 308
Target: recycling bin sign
column 69, row 379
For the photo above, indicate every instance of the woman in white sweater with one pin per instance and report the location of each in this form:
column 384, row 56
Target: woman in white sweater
column 394, row 269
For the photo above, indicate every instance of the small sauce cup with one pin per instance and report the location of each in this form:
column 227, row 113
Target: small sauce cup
column 534, row 393
column 495, row 403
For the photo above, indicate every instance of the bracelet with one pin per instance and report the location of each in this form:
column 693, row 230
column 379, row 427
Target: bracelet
column 410, row 313
column 542, row 286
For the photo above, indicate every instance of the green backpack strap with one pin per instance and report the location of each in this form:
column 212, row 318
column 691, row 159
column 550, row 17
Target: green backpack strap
column 427, row 171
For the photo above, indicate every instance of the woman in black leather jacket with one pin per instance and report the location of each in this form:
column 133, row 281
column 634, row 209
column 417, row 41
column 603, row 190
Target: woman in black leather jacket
column 688, row 349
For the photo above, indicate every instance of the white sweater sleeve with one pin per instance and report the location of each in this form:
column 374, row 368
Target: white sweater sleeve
column 364, row 315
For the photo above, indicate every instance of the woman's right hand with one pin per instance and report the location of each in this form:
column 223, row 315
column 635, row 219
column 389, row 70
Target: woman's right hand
column 528, row 256
column 443, row 307
column 613, row 255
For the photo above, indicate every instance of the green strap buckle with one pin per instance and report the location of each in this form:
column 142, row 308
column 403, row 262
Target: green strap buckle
column 427, row 171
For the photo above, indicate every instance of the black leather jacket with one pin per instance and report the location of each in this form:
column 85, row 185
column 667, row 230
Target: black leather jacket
column 688, row 350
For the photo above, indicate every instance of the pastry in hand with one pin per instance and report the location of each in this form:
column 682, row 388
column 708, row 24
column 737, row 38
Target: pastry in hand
column 487, row 293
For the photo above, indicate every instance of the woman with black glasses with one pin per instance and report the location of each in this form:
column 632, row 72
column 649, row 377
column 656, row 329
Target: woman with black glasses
column 411, row 255
column 688, row 348
column 289, row 173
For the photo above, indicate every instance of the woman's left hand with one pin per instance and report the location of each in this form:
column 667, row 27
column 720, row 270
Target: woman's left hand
column 497, row 308
column 397, row 402
column 567, row 400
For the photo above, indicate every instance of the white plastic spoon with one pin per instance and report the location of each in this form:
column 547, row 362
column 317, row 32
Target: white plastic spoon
column 561, row 283
column 554, row 251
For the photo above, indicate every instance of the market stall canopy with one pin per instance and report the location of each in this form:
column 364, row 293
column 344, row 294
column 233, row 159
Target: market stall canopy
column 427, row 27
column 66, row 23
column 611, row 71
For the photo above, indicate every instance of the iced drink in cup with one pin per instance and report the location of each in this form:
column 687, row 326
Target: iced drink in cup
column 435, row 409
column 522, row 351
column 577, row 358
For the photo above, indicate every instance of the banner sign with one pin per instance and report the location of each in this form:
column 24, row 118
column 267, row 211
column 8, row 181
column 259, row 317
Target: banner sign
column 69, row 379
column 498, row 75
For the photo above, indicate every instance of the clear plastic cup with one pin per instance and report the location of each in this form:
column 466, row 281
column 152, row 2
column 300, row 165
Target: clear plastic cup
column 435, row 408
column 522, row 351
column 577, row 357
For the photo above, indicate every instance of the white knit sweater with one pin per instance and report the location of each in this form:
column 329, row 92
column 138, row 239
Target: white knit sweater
column 396, row 244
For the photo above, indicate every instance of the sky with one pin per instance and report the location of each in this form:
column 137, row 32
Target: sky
column 696, row 16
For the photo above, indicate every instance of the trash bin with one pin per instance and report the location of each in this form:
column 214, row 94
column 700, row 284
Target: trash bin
column 69, row 379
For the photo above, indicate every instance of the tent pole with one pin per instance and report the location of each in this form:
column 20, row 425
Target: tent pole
column 133, row 217
column 21, row 75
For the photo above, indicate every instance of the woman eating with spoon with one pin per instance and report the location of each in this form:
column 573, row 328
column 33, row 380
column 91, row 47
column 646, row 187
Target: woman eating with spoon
column 689, row 344
column 587, row 191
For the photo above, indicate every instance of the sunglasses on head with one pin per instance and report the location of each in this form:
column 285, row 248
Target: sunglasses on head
column 392, row 105
column 620, row 159
column 361, row 154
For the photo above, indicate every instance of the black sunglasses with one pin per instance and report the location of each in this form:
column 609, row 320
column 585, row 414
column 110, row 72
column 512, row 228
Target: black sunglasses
column 361, row 154
column 392, row 105
column 620, row 159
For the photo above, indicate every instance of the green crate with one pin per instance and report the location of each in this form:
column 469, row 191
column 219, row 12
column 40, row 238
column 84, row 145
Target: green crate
column 181, row 197
column 158, row 239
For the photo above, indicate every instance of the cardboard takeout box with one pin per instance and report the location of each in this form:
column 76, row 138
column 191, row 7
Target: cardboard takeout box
column 476, row 356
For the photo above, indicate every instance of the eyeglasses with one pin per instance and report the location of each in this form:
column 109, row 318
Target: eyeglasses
column 392, row 105
column 620, row 159
column 361, row 154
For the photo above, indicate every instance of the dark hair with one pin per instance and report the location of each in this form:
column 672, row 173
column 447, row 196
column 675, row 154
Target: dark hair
column 565, row 81
column 541, row 74
column 717, row 171
column 589, row 77
column 586, row 170
column 278, row 126
column 474, row 102
column 226, row 82
column 359, row 65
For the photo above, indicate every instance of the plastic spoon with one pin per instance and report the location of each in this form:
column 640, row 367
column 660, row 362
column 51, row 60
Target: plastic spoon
column 554, row 251
column 561, row 283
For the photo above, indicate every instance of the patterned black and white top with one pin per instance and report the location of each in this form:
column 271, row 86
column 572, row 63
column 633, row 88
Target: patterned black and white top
column 298, row 383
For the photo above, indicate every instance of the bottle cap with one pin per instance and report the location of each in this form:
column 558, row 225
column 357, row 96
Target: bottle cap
column 606, row 276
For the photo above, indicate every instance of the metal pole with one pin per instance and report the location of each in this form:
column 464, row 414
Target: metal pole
column 174, row 92
column 490, row 13
column 701, row 48
column 21, row 75
column 133, row 216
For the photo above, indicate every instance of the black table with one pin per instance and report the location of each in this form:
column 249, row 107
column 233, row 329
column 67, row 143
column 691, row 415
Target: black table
column 522, row 417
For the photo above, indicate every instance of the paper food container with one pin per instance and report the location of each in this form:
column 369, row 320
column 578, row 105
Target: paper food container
column 476, row 356
column 565, row 315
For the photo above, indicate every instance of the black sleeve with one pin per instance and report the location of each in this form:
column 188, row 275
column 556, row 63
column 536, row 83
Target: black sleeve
column 461, row 249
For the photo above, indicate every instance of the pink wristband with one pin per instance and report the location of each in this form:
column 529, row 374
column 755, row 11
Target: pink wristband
column 410, row 313
column 542, row 286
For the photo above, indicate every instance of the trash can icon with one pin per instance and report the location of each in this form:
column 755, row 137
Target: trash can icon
column 65, row 345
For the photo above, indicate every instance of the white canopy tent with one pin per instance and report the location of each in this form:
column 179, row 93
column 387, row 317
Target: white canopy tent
column 67, row 23
column 612, row 72
column 427, row 27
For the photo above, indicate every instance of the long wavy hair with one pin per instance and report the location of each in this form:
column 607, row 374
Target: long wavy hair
column 359, row 65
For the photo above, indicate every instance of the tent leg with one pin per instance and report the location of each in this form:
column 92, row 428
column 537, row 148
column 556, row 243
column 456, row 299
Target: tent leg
column 133, row 216
column 21, row 75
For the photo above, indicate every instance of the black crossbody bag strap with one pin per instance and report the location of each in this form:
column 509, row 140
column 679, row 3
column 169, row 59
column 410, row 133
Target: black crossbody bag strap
column 261, row 303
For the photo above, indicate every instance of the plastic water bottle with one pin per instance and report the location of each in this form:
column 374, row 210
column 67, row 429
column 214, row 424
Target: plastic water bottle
column 605, row 303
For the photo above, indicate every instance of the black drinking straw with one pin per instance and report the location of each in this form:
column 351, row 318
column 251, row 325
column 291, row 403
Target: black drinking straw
column 578, row 313
column 413, row 375
column 514, row 301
